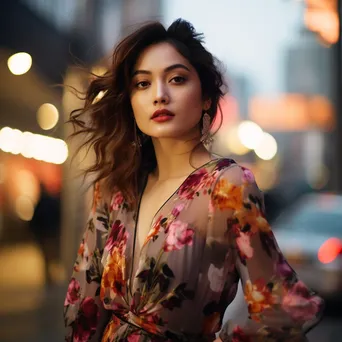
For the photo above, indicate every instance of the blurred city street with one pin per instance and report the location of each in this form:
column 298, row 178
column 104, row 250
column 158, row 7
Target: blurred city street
column 282, row 119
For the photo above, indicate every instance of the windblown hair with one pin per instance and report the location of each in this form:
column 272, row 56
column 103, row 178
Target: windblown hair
column 109, row 125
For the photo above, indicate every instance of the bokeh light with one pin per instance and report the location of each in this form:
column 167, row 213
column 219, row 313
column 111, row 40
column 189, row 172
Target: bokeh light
column 24, row 207
column 267, row 147
column 28, row 185
column 234, row 143
column 39, row 147
column 250, row 134
column 47, row 116
column 19, row 63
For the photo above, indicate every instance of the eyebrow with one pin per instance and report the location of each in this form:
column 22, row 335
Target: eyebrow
column 168, row 69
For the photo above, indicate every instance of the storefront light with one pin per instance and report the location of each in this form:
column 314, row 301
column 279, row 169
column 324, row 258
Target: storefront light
column 267, row 147
column 29, row 145
column 19, row 63
column 250, row 134
column 47, row 116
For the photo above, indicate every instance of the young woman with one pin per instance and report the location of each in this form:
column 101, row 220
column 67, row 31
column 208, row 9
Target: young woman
column 172, row 229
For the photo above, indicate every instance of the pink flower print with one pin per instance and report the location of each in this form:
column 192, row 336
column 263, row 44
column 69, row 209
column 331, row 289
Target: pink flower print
column 248, row 175
column 134, row 337
column 117, row 201
column 239, row 335
column 178, row 236
column 216, row 278
column 283, row 268
column 300, row 304
column 177, row 210
column 89, row 309
column 117, row 238
column 87, row 321
column 244, row 244
column 73, row 292
column 192, row 184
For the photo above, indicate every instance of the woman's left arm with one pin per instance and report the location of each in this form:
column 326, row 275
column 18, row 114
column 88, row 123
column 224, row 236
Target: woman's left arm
column 280, row 306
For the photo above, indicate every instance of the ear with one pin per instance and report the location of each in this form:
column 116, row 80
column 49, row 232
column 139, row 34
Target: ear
column 206, row 104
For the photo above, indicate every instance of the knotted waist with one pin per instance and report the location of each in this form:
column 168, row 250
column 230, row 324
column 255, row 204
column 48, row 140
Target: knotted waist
column 147, row 326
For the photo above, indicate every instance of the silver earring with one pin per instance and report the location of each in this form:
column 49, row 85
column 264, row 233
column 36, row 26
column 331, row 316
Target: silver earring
column 206, row 138
column 137, row 141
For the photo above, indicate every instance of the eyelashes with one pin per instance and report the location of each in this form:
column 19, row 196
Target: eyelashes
column 174, row 80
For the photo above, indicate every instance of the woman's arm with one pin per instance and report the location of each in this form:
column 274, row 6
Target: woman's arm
column 280, row 306
column 84, row 314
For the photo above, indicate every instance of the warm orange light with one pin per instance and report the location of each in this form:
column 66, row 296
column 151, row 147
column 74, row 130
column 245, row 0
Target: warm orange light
column 292, row 112
column 329, row 251
column 321, row 16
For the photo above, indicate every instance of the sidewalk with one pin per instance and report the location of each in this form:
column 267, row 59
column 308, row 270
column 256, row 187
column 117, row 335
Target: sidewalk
column 28, row 312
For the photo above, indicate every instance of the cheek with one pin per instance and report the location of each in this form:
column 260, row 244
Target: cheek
column 138, row 108
column 191, row 101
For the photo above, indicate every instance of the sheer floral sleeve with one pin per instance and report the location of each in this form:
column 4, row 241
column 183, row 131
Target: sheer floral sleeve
column 281, row 307
column 84, row 314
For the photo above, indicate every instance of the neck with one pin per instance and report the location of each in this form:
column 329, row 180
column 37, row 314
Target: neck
column 178, row 158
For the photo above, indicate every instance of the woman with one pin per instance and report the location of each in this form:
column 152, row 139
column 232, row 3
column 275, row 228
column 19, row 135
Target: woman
column 172, row 229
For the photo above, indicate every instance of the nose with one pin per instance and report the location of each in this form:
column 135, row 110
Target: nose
column 161, row 94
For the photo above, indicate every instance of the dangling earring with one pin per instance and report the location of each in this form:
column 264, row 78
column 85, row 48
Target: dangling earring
column 206, row 138
column 137, row 141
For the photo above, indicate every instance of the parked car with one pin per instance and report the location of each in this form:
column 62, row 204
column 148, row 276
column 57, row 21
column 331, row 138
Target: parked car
column 309, row 234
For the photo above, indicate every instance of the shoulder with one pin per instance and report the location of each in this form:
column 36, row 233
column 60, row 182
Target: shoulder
column 233, row 176
column 103, row 197
column 235, row 186
column 232, row 171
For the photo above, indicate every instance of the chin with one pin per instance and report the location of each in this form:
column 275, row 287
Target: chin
column 177, row 133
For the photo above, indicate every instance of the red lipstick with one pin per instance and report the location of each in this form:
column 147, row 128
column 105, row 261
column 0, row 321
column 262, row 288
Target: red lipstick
column 162, row 115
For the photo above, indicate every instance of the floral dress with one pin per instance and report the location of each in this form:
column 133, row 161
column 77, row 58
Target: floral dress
column 208, row 235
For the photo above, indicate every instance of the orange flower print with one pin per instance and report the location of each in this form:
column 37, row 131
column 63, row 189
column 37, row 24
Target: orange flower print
column 110, row 329
column 154, row 230
column 148, row 322
column 96, row 197
column 81, row 249
column 251, row 217
column 258, row 297
column 227, row 196
column 83, row 256
column 114, row 274
column 211, row 324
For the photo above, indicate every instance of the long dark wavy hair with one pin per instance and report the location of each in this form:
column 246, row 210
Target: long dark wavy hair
column 109, row 125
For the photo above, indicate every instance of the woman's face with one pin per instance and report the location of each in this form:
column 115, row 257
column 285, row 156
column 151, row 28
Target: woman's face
column 163, row 80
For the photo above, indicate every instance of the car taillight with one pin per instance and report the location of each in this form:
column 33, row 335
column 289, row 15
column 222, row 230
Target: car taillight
column 330, row 250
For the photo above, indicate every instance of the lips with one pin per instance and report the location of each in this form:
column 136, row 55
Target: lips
column 161, row 112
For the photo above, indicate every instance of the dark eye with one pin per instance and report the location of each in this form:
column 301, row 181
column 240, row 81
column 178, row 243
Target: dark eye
column 142, row 84
column 178, row 79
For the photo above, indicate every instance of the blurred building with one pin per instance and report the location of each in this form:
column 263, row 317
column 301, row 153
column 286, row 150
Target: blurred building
column 59, row 42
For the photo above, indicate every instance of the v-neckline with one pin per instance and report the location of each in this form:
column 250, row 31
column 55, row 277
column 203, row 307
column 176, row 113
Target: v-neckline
column 168, row 199
column 136, row 221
